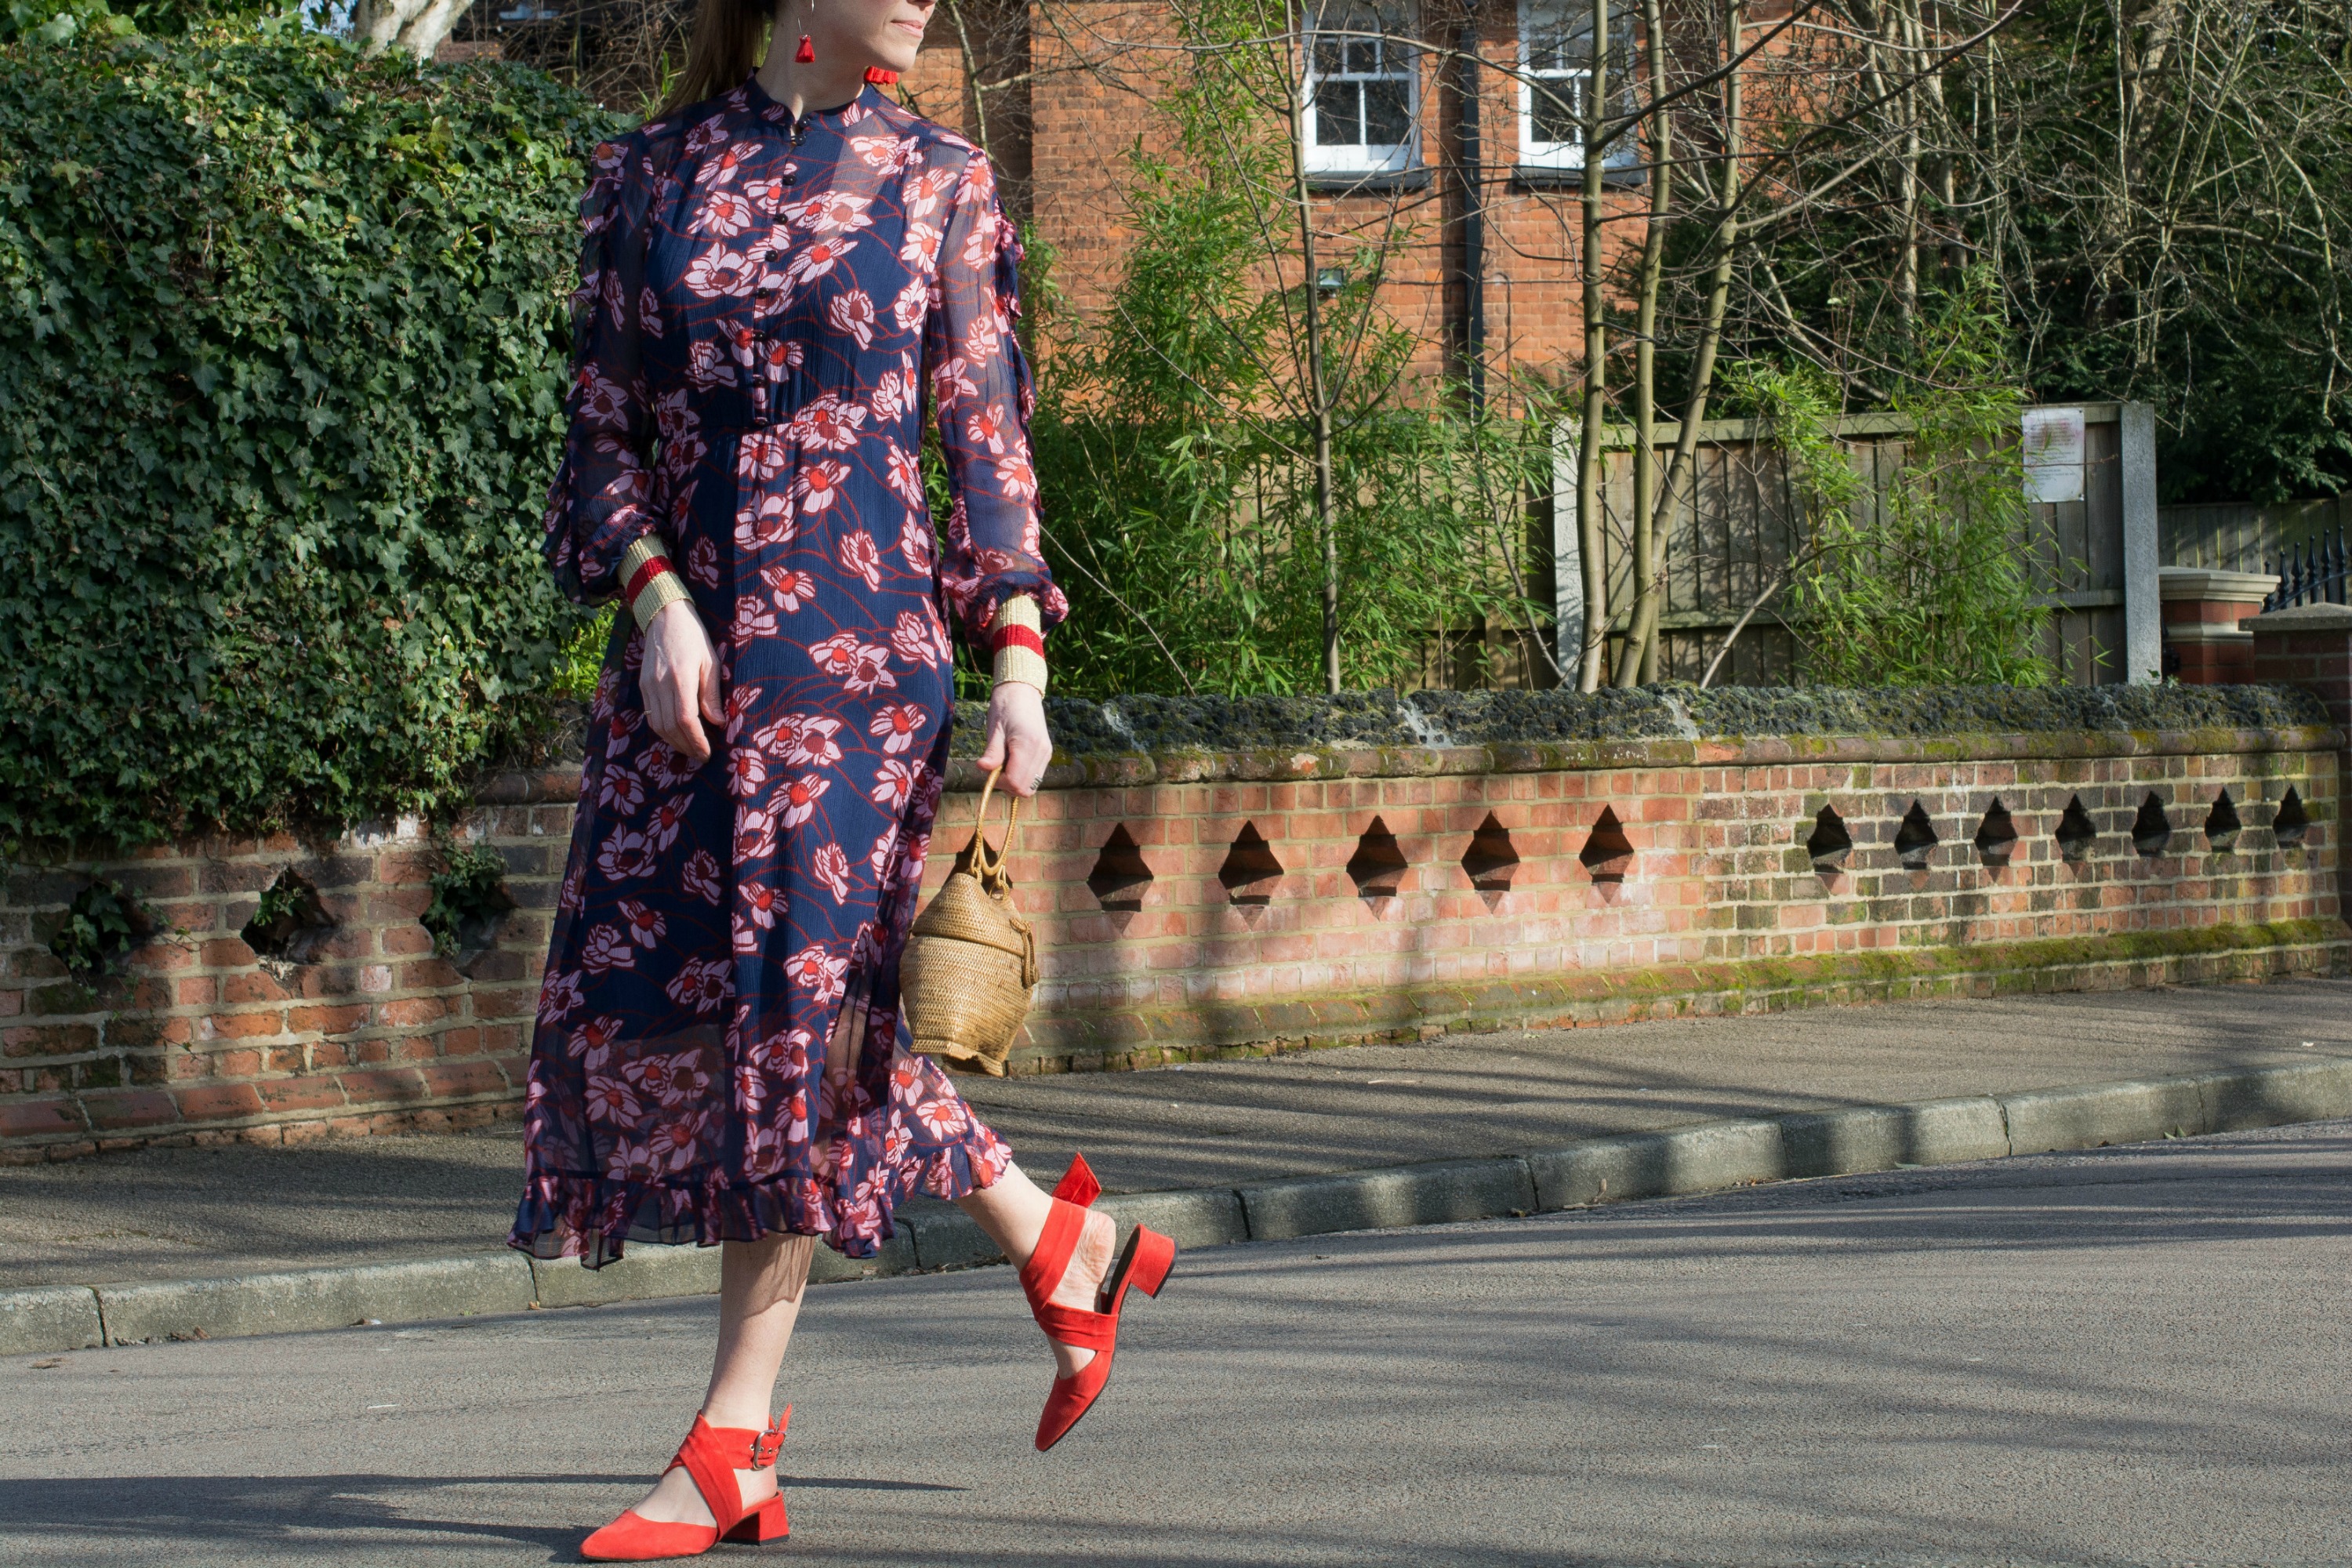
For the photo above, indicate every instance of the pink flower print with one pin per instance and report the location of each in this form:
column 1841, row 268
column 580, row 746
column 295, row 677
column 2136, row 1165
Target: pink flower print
column 742, row 703
column 811, row 744
column 667, row 820
column 901, row 472
column 610, row 1101
column 762, row 454
column 831, row 212
column 768, row 195
column 986, row 426
column 827, row 424
column 647, row 925
column 814, row 261
column 863, row 557
column 604, row 401
column 754, row 617
column 892, row 786
column 878, row 860
column 621, row 790
column 760, row 903
column 801, row 797
column 721, row 170
column 887, row 154
column 712, row 133
column 702, row 562
column 767, row 525
column 913, row 303
column 979, row 248
column 915, row 641
column 605, row 948
column 629, row 1162
column 649, row 313
column 593, row 1041
column 894, row 396
column 701, row 983
column 949, row 381
column 724, row 215
column 699, row 877
column 568, row 897
column 1016, row 478
column 896, row 1142
column 980, row 338
column 915, row 544
column 896, row 726
column 706, row 366
column 720, row 273
column 558, row 995
column 819, row 484
column 627, row 852
column 817, row 972
column 666, row 767
column 852, row 313
column 746, row 772
column 920, row 249
column 788, row 588
column 832, row 867
column 943, row 1118
column 924, row 191
column 784, row 1052
column 674, row 1144
column 750, row 1089
column 755, row 836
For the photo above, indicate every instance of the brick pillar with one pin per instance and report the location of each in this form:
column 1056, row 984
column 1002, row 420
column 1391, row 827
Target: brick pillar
column 2203, row 644
column 2311, row 647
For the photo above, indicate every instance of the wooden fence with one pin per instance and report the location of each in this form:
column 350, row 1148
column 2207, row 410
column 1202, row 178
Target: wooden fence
column 1738, row 528
column 2234, row 536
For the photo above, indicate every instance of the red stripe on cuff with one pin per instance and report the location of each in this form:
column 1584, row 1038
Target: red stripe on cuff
column 653, row 568
column 1016, row 636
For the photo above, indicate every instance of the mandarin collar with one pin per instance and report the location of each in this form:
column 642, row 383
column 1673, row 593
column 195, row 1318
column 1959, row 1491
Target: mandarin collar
column 767, row 107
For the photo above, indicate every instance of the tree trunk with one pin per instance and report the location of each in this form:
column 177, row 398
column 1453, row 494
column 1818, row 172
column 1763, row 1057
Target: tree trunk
column 1589, row 542
column 1638, row 663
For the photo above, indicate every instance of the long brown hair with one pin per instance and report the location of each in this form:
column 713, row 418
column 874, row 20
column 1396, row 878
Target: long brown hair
column 725, row 44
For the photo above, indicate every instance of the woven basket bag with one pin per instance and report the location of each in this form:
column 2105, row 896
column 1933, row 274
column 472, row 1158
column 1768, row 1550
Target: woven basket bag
column 970, row 963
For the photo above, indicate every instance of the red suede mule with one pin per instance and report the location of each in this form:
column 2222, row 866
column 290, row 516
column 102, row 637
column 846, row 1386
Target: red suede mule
column 711, row 1455
column 1143, row 1262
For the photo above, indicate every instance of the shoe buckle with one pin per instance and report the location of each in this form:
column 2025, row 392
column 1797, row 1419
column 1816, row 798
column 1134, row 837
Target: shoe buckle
column 765, row 1446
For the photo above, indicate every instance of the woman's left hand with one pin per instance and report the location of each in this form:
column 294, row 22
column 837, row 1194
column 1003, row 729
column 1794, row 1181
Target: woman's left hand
column 1017, row 741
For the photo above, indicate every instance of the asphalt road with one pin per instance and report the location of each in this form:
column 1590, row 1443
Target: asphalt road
column 2132, row 1356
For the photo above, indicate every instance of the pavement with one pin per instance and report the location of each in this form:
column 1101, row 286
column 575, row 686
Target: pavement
column 2128, row 1356
column 203, row 1214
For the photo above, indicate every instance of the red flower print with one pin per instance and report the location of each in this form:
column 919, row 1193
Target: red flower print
column 610, row 1101
column 668, row 819
column 620, row 790
column 950, row 381
column 755, row 836
column 808, row 265
column 720, row 273
column 668, row 769
column 902, row 474
column 819, row 484
column 831, row 212
column 924, row 191
column 750, row 1089
column 896, row 726
column 702, row 984
column 627, row 852
column 741, row 701
column 608, row 949
column 784, row 1052
column 886, row 154
column 1016, row 478
column 724, row 215
column 712, row 133
column 593, row 1041
column 920, row 248
column 647, row 925
column 801, row 797
column 879, row 860
column 852, row 313
column 915, row 641
column 760, row 903
column 676, row 1144
column 702, row 562
column 606, row 402
column 915, row 544
column 753, row 618
column 827, row 424
column 862, row 557
column 766, row 525
column 832, row 867
column 986, row 426
column 558, row 995
column 699, row 876
column 746, row 772
column 760, row 455
column 980, row 340
column 892, row 786
column 913, row 303
column 943, row 1118
column 768, row 195
column 820, row 974
column 788, row 588
column 896, row 1142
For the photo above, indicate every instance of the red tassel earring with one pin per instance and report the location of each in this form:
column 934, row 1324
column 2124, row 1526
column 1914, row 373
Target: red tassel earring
column 806, row 52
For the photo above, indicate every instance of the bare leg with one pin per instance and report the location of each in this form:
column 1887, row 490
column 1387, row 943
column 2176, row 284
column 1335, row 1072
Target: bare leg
column 760, row 1286
column 1014, row 1212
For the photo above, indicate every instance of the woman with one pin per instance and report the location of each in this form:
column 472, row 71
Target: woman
column 773, row 279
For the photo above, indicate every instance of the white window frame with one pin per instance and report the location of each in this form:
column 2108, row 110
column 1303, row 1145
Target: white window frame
column 1400, row 62
column 1534, row 16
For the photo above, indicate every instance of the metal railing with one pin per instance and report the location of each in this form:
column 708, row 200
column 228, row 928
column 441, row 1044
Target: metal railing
column 2310, row 572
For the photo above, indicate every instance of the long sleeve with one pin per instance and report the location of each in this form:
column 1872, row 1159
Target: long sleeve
column 981, row 390
column 599, row 505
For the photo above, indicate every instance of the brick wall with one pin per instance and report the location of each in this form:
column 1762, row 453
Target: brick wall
column 1192, row 904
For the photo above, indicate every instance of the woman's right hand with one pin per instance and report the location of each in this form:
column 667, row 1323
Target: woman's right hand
column 679, row 680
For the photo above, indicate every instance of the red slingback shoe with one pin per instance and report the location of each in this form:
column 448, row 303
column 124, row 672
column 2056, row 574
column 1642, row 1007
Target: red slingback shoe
column 711, row 1455
column 1143, row 1262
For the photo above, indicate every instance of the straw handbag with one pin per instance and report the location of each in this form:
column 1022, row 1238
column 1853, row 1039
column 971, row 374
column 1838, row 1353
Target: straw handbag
column 971, row 961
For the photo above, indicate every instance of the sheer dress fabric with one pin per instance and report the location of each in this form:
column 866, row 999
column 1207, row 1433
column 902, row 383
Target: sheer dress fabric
column 763, row 305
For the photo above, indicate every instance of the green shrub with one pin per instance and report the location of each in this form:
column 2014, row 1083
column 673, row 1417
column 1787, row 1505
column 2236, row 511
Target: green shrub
column 282, row 345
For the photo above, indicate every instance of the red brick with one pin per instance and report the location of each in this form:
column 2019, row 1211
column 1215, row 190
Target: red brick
column 332, row 1020
column 247, row 1025
column 391, row 1083
column 219, row 1102
column 448, row 1079
column 120, row 1109
column 298, row 1094
column 38, row 1117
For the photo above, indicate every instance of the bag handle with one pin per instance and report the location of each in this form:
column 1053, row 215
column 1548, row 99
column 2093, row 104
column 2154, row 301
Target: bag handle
column 986, row 863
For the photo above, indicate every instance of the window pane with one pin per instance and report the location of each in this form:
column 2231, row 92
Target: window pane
column 1554, row 110
column 1385, row 120
column 1364, row 55
column 1328, row 55
column 1338, row 115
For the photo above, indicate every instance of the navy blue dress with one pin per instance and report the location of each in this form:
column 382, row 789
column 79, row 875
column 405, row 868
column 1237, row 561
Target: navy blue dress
column 763, row 305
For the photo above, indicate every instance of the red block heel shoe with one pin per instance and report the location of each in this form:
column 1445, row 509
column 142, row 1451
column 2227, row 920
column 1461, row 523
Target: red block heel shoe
column 1143, row 1262
column 711, row 1455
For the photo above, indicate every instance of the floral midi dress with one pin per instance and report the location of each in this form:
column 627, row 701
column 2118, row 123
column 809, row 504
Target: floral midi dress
column 764, row 304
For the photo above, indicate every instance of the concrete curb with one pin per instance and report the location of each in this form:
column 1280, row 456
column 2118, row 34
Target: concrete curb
column 1706, row 1157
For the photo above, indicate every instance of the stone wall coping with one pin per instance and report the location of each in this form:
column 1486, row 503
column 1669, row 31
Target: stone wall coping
column 1303, row 763
column 2199, row 582
column 2304, row 618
